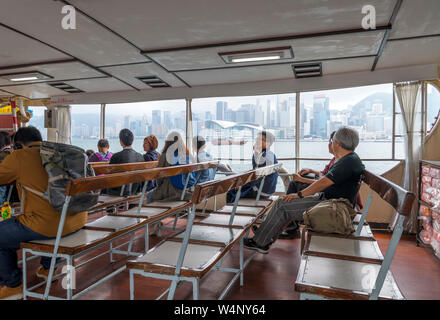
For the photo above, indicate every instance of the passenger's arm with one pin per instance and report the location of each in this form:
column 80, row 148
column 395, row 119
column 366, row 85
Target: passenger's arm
column 315, row 187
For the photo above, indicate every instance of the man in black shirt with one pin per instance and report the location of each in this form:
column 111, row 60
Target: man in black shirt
column 341, row 181
column 127, row 155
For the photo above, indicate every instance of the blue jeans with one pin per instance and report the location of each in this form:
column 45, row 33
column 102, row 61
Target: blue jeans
column 12, row 232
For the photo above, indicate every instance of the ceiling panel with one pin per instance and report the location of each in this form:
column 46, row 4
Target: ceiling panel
column 58, row 71
column 35, row 91
column 410, row 52
column 99, row 85
column 336, row 46
column 171, row 23
column 269, row 72
column 89, row 41
column 417, row 18
column 128, row 73
column 17, row 49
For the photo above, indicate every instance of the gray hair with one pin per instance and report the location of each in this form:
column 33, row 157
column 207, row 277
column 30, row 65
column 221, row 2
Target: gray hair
column 347, row 137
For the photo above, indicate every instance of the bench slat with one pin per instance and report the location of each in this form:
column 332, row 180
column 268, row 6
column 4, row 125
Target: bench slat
column 348, row 249
column 342, row 279
column 162, row 259
column 113, row 223
column 223, row 219
column 213, row 234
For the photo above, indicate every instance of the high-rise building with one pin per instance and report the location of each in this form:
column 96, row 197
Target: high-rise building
column 157, row 117
column 127, row 121
column 167, row 119
column 222, row 106
column 321, row 114
column 208, row 115
column 268, row 122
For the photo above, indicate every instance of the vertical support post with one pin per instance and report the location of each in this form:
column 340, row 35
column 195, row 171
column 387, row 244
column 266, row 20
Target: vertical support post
column 146, row 237
column 185, row 187
column 397, row 233
column 141, row 200
column 364, row 214
column 102, row 122
column 260, row 188
column 195, row 289
column 393, row 147
column 297, row 128
column 70, row 277
column 55, row 249
column 11, row 187
column 131, row 285
column 234, row 208
column 189, row 132
column 111, row 252
column 241, row 261
column 182, row 252
column 24, row 281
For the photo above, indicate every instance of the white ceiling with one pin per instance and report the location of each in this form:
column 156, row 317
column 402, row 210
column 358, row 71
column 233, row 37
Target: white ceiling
column 181, row 41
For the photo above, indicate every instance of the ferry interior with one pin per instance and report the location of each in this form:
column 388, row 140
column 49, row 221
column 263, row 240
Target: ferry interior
column 81, row 71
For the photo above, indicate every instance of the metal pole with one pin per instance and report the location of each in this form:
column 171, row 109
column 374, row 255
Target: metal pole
column 102, row 124
column 297, row 129
column 188, row 124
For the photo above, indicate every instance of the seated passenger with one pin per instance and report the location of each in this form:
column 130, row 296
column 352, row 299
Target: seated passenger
column 341, row 181
column 127, row 155
column 89, row 152
column 103, row 154
column 150, row 146
column 174, row 153
column 5, row 150
column 199, row 147
column 39, row 221
column 262, row 157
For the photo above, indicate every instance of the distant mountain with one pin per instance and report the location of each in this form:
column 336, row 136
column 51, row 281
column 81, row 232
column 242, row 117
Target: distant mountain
column 365, row 105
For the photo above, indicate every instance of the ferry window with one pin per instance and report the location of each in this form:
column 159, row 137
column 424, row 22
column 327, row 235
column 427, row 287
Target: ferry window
column 85, row 125
column 367, row 109
column 433, row 107
column 144, row 118
column 230, row 126
column 37, row 120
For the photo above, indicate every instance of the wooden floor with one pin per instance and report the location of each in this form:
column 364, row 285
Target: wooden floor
column 270, row 276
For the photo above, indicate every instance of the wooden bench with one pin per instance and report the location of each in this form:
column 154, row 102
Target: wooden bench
column 338, row 267
column 190, row 255
column 104, row 230
column 107, row 201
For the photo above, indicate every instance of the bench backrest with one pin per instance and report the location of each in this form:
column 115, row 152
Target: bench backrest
column 209, row 189
column 400, row 199
column 82, row 185
column 123, row 167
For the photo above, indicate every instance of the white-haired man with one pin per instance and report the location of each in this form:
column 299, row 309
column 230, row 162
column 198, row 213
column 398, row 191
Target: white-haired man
column 341, row 181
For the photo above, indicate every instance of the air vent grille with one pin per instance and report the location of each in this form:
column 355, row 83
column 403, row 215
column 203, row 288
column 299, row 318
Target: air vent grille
column 307, row 70
column 153, row 82
column 65, row 87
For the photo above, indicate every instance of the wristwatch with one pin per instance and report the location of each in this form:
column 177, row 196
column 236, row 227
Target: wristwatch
column 300, row 194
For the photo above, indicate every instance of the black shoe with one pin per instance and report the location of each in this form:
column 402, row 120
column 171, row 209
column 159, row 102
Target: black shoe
column 251, row 245
column 290, row 234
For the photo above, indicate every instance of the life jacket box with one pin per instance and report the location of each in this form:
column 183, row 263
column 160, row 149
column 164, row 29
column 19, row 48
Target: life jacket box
column 213, row 205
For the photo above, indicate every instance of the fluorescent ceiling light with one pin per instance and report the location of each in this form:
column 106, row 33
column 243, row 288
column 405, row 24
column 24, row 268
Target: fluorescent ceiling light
column 257, row 55
column 24, row 79
column 252, row 59
column 25, row 76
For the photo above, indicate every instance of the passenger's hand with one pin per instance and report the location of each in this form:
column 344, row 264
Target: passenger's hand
column 296, row 177
column 290, row 197
column 304, row 171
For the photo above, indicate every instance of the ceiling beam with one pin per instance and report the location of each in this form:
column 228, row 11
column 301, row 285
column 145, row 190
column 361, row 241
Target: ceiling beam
column 268, row 39
column 387, row 33
column 35, row 64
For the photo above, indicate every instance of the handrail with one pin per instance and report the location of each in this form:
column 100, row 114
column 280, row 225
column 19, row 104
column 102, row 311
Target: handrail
column 82, row 185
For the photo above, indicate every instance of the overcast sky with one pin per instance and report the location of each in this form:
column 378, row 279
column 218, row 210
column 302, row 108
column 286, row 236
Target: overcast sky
column 339, row 99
